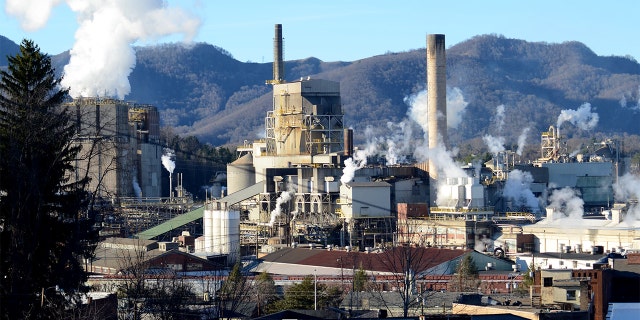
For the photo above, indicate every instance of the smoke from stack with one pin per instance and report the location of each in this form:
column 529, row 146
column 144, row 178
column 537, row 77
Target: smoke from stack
column 582, row 118
column 102, row 57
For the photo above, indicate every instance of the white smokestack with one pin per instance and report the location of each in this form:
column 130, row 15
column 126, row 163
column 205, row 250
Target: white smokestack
column 437, row 94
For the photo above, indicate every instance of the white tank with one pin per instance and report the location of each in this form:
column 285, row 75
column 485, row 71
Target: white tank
column 207, row 227
column 240, row 174
column 221, row 231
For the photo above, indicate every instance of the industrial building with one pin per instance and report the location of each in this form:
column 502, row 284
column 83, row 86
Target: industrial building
column 120, row 148
column 305, row 182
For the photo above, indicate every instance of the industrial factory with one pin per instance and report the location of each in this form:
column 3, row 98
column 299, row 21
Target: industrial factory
column 306, row 184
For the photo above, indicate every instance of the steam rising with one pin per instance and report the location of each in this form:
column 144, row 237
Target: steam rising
column 583, row 118
column 495, row 144
column 568, row 202
column 518, row 189
column 500, row 117
column 522, row 140
column 167, row 161
column 102, row 57
column 284, row 197
column 627, row 188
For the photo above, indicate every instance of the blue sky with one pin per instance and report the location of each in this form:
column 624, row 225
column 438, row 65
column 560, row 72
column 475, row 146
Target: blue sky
column 333, row 30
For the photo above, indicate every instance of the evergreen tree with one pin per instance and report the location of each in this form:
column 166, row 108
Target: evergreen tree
column 44, row 232
column 466, row 277
column 304, row 295
column 234, row 291
column 264, row 291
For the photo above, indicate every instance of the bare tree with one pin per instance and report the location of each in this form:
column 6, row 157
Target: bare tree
column 158, row 293
column 407, row 263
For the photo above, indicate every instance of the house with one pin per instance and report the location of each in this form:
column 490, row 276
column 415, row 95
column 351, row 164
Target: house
column 114, row 255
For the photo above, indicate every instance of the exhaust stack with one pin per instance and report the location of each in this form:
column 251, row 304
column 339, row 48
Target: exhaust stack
column 437, row 95
column 278, row 60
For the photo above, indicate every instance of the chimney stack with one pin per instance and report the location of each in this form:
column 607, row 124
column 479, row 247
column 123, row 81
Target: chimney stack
column 278, row 63
column 437, row 95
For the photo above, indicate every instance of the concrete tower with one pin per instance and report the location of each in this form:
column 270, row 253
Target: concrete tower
column 437, row 94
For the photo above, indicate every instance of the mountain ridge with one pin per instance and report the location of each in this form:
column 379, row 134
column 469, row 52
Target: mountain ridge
column 202, row 90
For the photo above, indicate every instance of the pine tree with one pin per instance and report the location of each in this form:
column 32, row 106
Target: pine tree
column 466, row 277
column 44, row 233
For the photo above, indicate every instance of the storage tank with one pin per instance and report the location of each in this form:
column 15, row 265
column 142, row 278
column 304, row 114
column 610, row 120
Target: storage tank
column 240, row 174
column 221, row 229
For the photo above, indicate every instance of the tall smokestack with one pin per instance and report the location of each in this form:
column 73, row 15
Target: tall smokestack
column 278, row 63
column 437, row 95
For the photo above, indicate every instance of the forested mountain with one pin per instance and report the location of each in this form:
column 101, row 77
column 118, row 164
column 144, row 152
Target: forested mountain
column 202, row 90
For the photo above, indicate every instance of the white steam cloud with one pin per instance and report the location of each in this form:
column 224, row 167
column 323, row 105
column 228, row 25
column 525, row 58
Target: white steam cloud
column 518, row 189
column 456, row 106
column 351, row 165
column 500, row 117
column 33, row 15
column 522, row 140
column 102, row 57
column 583, row 118
column 628, row 188
column 284, row 197
column 167, row 161
column 495, row 144
column 568, row 202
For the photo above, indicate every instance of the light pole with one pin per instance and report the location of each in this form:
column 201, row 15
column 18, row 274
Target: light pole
column 315, row 289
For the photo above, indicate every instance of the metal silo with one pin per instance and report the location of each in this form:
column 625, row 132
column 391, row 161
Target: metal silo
column 240, row 174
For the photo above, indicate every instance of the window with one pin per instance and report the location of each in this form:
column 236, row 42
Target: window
column 548, row 281
column 571, row 295
column 588, row 264
column 575, row 264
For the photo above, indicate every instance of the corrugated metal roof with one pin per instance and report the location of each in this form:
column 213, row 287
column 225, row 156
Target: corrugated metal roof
column 424, row 258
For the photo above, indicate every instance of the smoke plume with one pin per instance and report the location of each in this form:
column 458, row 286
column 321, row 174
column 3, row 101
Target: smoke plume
column 284, row 197
column 102, row 57
column 568, row 202
column 522, row 140
column 167, row 161
column 33, row 15
column 583, row 118
column 628, row 188
column 456, row 107
column 351, row 165
column 518, row 189
column 495, row 144
column 499, row 118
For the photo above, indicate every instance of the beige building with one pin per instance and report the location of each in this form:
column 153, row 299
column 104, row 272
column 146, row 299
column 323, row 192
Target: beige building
column 121, row 152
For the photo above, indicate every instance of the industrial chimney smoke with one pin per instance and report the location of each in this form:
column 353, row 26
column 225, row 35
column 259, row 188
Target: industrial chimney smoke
column 437, row 95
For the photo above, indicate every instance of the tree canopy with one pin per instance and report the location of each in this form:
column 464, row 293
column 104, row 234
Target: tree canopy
column 45, row 232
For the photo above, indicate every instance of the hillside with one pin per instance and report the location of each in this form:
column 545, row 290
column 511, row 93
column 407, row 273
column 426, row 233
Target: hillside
column 202, row 90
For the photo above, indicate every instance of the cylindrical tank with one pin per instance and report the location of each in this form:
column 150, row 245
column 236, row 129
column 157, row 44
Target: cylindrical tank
column 207, row 226
column 240, row 174
column 215, row 232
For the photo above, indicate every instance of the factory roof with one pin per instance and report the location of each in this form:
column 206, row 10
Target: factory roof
column 578, row 223
column 296, row 261
column 369, row 184
column 569, row 256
